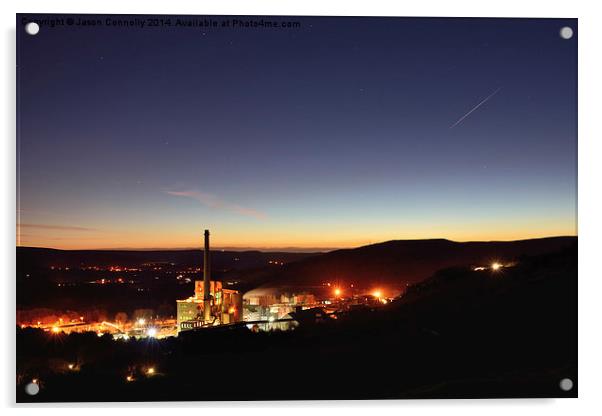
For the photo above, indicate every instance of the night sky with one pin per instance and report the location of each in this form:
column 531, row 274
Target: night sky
column 338, row 133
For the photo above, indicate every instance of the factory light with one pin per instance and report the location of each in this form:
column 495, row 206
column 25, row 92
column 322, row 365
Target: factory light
column 55, row 329
column 151, row 332
column 337, row 292
column 377, row 294
column 141, row 321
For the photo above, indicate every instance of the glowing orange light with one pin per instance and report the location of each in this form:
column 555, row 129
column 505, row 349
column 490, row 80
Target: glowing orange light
column 337, row 292
column 70, row 366
column 55, row 329
column 377, row 294
column 232, row 310
column 150, row 371
column 129, row 378
column 496, row 266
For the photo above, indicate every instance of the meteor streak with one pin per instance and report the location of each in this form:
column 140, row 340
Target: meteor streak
column 475, row 107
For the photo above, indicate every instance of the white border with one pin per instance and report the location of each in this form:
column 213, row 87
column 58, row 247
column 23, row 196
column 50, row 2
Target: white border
column 590, row 207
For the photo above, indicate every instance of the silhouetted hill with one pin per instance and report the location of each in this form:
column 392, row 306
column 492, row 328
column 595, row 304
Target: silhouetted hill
column 29, row 258
column 404, row 261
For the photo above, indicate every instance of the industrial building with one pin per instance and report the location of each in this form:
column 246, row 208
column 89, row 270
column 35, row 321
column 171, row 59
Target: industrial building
column 275, row 303
column 211, row 304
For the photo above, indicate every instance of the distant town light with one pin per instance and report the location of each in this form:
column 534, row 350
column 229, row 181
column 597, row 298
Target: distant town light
column 129, row 378
column 150, row 371
column 71, row 366
column 496, row 266
column 141, row 321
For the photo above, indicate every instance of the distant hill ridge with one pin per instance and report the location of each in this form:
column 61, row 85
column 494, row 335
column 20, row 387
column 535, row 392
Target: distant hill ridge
column 34, row 257
column 406, row 261
column 391, row 262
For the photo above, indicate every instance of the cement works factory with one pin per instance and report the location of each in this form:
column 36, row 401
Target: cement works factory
column 261, row 308
column 213, row 305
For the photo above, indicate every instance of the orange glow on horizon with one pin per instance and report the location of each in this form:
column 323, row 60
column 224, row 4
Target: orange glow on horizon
column 274, row 236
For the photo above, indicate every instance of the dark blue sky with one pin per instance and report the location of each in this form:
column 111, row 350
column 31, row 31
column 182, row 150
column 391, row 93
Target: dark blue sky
column 333, row 134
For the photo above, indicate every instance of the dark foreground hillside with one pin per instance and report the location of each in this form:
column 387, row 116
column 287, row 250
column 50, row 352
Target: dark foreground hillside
column 459, row 334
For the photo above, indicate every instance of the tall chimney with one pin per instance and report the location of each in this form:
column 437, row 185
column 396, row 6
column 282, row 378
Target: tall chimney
column 206, row 280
